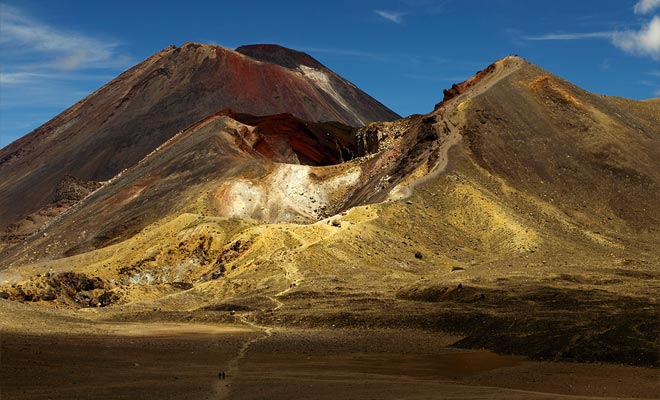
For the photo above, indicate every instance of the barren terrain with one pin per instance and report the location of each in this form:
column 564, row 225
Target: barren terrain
column 82, row 355
column 504, row 245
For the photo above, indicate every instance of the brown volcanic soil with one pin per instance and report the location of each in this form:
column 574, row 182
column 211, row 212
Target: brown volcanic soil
column 69, row 191
column 395, row 364
column 161, row 359
column 68, row 357
column 116, row 126
column 596, row 161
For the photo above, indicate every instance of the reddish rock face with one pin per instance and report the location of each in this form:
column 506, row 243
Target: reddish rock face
column 116, row 126
column 313, row 143
column 458, row 88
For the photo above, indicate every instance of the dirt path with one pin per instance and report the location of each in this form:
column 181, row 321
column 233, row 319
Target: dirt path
column 223, row 388
column 446, row 118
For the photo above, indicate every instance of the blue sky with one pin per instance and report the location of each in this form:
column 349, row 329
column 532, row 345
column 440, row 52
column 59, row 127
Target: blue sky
column 402, row 52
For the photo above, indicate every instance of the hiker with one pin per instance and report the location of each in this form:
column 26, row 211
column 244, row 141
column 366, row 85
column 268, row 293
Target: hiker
column 223, row 375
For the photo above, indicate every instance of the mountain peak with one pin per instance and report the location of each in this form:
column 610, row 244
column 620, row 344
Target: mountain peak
column 145, row 106
column 486, row 76
column 276, row 54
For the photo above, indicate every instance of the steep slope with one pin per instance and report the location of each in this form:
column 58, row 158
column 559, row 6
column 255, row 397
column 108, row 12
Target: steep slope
column 189, row 174
column 358, row 107
column 518, row 214
column 120, row 123
column 594, row 158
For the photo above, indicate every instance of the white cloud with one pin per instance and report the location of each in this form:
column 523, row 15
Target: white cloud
column 645, row 42
column 22, row 78
column 44, row 69
column 572, row 36
column 646, row 6
column 392, row 16
column 62, row 50
column 17, row 78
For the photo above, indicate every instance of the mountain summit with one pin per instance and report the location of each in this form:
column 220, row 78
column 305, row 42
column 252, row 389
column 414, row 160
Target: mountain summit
column 119, row 124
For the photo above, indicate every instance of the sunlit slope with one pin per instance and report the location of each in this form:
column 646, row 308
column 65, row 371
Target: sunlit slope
column 521, row 214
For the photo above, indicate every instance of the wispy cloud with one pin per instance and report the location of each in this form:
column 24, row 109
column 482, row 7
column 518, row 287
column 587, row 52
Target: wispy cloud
column 17, row 78
column 392, row 16
column 646, row 6
column 645, row 42
column 21, row 78
column 572, row 36
column 412, row 8
column 37, row 54
column 605, row 65
column 23, row 36
column 45, row 68
column 642, row 42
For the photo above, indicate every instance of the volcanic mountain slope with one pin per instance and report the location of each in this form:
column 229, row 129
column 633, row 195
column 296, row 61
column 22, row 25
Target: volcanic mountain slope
column 519, row 214
column 208, row 169
column 123, row 121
